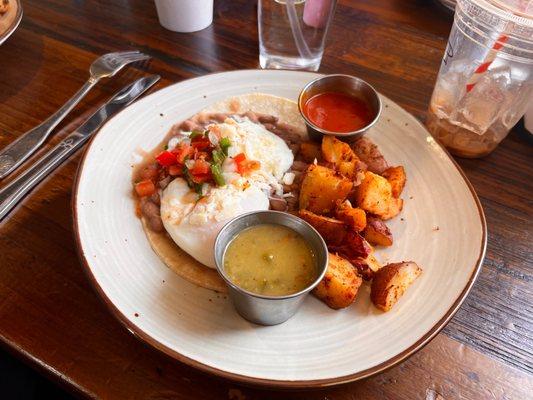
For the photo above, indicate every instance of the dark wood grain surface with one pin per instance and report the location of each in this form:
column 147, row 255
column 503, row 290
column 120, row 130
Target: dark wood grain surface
column 51, row 317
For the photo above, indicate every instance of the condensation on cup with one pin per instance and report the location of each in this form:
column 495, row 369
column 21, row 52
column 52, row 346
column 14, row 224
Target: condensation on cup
column 485, row 82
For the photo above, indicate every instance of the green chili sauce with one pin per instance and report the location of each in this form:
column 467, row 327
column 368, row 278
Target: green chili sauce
column 271, row 260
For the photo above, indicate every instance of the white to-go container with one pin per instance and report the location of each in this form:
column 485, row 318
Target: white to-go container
column 185, row 15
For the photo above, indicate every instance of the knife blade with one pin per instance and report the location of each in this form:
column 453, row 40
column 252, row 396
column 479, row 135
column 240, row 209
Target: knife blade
column 13, row 192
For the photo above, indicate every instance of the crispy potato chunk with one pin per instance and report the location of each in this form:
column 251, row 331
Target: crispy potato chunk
column 374, row 194
column 353, row 217
column 396, row 177
column 338, row 236
column 369, row 153
column 372, row 262
column 395, row 206
column 368, row 266
column 309, row 151
column 377, row 233
column 352, row 246
column 391, row 282
column 339, row 287
column 332, row 230
column 321, row 188
column 335, row 150
column 342, row 157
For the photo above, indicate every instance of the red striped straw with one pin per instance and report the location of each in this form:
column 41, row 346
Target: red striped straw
column 478, row 73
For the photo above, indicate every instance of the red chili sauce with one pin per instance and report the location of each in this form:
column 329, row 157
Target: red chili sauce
column 337, row 112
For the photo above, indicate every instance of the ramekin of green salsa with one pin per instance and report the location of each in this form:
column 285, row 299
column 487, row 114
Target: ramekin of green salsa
column 270, row 261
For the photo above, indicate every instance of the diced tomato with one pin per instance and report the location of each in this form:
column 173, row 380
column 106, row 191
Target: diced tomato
column 145, row 188
column 201, row 178
column 200, row 167
column 239, row 161
column 166, row 158
column 244, row 165
column 175, row 170
column 181, row 152
column 239, row 158
column 247, row 166
column 201, row 144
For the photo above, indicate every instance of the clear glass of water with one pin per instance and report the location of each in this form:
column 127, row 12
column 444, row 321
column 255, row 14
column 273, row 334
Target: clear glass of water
column 485, row 82
column 292, row 32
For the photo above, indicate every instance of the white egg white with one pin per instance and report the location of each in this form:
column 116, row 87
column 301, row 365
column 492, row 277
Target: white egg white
column 194, row 225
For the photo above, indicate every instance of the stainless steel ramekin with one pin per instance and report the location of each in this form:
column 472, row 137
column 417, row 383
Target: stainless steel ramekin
column 346, row 84
column 269, row 310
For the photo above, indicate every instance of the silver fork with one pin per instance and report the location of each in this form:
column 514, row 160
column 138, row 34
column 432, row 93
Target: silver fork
column 103, row 67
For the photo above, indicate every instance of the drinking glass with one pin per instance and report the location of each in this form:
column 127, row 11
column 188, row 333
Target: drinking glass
column 292, row 32
column 485, row 82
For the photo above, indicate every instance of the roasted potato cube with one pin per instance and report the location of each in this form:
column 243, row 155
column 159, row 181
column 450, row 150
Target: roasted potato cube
column 342, row 157
column 334, row 150
column 372, row 262
column 374, row 194
column 338, row 236
column 377, row 233
column 352, row 246
column 396, row 177
column 332, row 230
column 346, row 168
column 390, row 283
column 395, row 206
column 367, row 267
column 309, row 151
column 369, row 153
column 353, row 217
column 321, row 188
column 339, row 287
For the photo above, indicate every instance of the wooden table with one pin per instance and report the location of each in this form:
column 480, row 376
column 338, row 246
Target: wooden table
column 51, row 317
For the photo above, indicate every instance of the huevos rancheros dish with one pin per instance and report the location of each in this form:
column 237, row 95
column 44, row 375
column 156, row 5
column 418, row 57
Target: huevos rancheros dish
column 251, row 153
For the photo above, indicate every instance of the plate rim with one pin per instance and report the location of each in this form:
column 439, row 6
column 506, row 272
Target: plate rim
column 16, row 22
column 274, row 383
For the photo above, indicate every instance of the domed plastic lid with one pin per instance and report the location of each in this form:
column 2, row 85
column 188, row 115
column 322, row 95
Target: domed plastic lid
column 522, row 8
column 512, row 19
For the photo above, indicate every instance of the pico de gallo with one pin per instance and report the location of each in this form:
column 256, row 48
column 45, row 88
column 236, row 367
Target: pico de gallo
column 200, row 158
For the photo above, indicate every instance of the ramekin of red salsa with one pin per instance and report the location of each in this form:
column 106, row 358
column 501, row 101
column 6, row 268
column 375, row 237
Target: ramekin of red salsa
column 339, row 105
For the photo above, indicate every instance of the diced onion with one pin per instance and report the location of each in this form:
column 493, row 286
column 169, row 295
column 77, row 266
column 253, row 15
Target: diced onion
column 229, row 166
column 176, row 140
column 288, row 178
column 213, row 138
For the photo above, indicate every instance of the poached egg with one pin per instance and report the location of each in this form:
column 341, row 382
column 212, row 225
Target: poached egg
column 193, row 223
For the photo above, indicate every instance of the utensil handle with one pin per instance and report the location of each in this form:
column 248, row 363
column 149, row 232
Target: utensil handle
column 17, row 189
column 19, row 150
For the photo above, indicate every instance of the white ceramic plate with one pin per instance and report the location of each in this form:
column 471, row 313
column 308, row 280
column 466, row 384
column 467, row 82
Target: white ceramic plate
column 10, row 20
column 442, row 228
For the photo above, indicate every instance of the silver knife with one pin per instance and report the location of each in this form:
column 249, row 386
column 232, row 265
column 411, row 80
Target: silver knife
column 11, row 194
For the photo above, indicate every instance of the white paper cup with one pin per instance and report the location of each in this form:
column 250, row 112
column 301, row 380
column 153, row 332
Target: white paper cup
column 185, row 15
